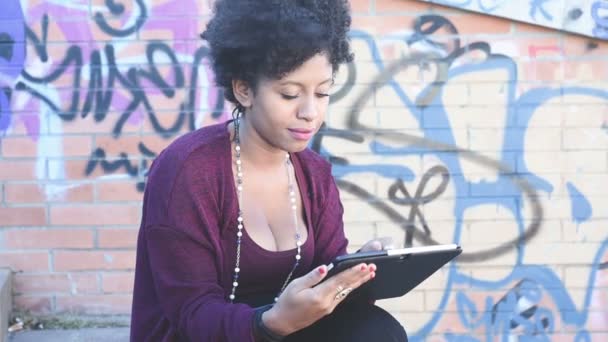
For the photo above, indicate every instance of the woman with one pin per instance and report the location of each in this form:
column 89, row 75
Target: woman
column 240, row 219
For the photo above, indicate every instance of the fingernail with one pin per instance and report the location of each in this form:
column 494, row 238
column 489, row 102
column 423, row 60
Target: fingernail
column 322, row 270
column 372, row 268
column 373, row 275
column 362, row 267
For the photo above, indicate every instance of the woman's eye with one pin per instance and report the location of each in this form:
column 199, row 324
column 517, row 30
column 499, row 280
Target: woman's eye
column 322, row 95
column 289, row 97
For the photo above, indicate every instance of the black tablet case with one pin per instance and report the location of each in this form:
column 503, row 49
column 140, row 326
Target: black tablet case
column 396, row 275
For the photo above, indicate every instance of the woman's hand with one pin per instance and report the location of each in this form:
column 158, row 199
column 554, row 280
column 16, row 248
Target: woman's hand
column 378, row 244
column 302, row 303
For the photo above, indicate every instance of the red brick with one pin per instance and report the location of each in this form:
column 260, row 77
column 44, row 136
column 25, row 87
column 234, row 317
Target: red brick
column 97, row 215
column 27, row 147
column 360, row 6
column 76, row 169
column 17, row 170
column 118, row 191
column 533, row 29
column 117, row 282
column 40, row 283
column 400, row 6
column 94, row 260
column 129, row 144
column 473, row 24
column 76, row 192
column 25, row 262
column 19, row 147
column 48, row 238
column 117, row 238
column 22, row 216
column 377, row 25
column 450, row 321
column 33, row 304
column 585, row 70
column 94, row 304
column 577, row 46
column 84, row 283
column 24, row 193
column 89, row 125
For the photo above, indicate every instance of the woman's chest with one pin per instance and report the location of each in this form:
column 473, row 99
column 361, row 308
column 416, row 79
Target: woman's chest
column 263, row 272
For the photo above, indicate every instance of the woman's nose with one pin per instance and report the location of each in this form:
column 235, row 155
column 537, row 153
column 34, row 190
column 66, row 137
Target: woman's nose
column 308, row 109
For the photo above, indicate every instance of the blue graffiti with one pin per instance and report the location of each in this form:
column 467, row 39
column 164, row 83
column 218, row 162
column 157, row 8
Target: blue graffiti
column 12, row 55
column 501, row 192
column 537, row 5
column 601, row 22
column 521, row 309
column 581, row 208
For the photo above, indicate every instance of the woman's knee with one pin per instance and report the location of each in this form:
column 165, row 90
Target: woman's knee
column 368, row 322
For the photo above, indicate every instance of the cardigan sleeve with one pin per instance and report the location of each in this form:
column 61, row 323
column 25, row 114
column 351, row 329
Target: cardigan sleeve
column 182, row 238
column 185, row 278
column 330, row 240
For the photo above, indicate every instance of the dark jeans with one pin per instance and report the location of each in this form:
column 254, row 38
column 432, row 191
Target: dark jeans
column 353, row 322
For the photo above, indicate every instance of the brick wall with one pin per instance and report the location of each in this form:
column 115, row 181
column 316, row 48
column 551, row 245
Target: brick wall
column 471, row 129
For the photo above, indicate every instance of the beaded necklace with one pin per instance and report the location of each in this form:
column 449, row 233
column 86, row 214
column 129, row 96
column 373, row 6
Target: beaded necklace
column 239, row 234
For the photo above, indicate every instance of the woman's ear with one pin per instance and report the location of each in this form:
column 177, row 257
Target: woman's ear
column 242, row 92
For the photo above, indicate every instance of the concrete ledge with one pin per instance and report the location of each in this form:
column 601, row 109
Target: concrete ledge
column 6, row 302
column 96, row 335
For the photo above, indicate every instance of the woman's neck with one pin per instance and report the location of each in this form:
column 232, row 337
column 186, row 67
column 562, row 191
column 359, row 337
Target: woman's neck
column 255, row 150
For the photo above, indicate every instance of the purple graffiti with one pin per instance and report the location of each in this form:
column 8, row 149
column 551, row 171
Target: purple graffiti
column 12, row 55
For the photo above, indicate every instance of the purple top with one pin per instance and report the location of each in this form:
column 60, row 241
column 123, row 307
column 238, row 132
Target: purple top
column 186, row 247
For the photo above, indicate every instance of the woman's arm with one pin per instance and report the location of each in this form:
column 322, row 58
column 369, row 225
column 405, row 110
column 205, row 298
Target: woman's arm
column 185, row 279
column 330, row 240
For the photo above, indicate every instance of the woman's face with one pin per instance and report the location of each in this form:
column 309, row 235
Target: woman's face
column 287, row 112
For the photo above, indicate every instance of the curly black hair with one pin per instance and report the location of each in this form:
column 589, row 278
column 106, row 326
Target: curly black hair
column 249, row 39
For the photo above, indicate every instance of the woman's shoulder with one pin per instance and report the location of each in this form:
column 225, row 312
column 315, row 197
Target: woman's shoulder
column 208, row 139
column 199, row 151
column 318, row 173
column 313, row 163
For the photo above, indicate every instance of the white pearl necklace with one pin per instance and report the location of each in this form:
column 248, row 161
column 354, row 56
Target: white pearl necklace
column 239, row 234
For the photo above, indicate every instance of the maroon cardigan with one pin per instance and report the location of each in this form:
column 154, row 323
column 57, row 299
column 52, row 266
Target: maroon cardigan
column 186, row 246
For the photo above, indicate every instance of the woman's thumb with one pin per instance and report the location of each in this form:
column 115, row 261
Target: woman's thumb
column 313, row 277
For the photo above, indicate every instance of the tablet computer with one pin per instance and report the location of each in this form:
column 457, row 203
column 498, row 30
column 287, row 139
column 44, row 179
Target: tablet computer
column 398, row 270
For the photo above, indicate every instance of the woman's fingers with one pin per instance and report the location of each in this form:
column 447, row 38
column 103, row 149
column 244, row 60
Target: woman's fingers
column 309, row 280
column 350, row 278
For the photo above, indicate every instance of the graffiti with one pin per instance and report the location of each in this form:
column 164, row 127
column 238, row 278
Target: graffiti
column 406, row 223
column 581, row 208
column 431, row 162
column 419, row 198
column 542, row 12
column 509, row 176
column 537, row 6
column 487, row 6
column 99, row 97
column 98, row 158
column 520, row 311
column 119, row 9
column 533, row 307
column 12, row 56
column 601, row 20
column 111, row 88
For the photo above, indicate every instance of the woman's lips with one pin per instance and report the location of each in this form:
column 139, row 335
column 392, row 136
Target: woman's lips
column 301, row 134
